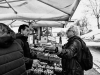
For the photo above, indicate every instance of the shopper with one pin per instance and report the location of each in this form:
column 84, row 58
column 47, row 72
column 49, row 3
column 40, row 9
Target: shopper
column 11, row 57
column 22, row 38
column 71, row 53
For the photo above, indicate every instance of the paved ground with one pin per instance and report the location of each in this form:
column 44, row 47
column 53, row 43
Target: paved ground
column 91, row 72
column 94, row 47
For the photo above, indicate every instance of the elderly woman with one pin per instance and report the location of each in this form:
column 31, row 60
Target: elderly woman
column 11, row 57
column 71, row 53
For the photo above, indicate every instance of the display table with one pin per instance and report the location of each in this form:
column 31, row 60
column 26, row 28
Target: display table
column 48, row 57
column 51, row 63
column 45, row 69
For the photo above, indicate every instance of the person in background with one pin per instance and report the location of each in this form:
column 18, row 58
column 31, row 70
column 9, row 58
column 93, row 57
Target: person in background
column 11, row 57
column 22, row 38
column 71, row 53
column 60, row 40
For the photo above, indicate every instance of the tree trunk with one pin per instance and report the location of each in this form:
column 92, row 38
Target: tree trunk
column 98, row 22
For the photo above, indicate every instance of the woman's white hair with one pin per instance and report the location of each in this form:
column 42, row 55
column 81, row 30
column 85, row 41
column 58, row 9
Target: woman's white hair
column 75, row 29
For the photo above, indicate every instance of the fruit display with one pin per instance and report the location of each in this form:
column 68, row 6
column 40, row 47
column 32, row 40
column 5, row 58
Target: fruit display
column 48, row 57
column 44, row 69
column 49, row 63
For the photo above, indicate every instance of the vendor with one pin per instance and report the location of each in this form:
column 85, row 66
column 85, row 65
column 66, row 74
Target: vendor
column 22, row 38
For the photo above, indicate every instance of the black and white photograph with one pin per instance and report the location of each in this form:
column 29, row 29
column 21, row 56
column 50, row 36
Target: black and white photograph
column 49, row 37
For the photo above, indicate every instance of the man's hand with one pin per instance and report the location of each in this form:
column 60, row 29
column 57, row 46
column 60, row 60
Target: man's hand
column 59, row 50
column 36, row 62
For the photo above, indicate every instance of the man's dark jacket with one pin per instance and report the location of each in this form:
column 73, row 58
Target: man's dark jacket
column 22, row 40
column 71, row 56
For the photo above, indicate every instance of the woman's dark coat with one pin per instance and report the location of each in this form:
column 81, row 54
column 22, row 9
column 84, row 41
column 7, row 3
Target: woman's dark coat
column 71, row 56
column 11, row 57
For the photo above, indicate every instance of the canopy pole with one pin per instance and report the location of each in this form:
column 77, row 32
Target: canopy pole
column 11, row 7
column 12, row 22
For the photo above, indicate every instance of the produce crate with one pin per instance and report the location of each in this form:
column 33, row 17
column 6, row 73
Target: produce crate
column 43, row 56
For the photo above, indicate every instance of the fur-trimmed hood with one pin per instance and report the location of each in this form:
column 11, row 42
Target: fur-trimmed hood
column 7, row 40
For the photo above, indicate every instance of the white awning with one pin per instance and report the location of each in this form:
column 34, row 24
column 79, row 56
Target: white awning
column 37, row 10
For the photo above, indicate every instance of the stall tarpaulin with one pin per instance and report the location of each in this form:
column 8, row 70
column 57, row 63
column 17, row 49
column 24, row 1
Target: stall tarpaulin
column 38, row 10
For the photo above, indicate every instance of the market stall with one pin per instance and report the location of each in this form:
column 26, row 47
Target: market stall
column 49, row 63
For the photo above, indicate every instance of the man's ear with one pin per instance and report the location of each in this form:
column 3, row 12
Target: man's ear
column 21, row 30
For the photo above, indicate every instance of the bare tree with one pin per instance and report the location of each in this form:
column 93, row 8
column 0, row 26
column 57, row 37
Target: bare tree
column 83, row 25
column 94, row 5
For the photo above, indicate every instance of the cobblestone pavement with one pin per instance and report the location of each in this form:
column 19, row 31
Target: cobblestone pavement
column 96, row 58
column 91, row 72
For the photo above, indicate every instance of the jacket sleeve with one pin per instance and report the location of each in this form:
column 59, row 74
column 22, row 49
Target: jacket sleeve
column 20, row 43
column 26, row 59
column 71, row 51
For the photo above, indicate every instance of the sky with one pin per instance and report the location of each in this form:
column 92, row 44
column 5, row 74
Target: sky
column 79, row 13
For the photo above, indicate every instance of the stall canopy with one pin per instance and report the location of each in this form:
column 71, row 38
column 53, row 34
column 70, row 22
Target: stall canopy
column 34, row 11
